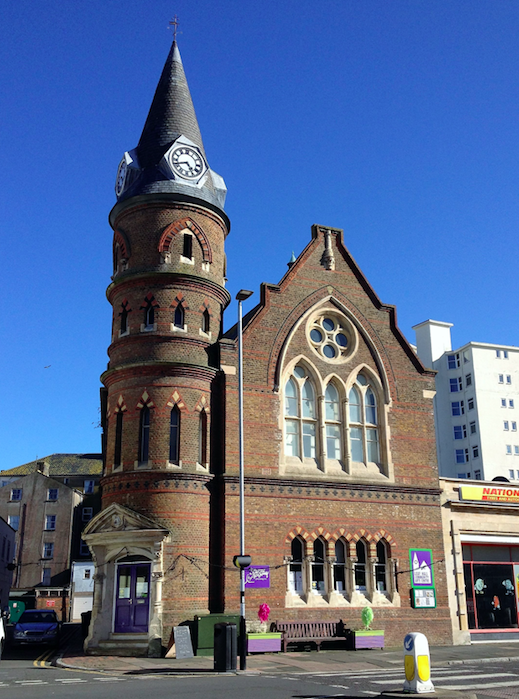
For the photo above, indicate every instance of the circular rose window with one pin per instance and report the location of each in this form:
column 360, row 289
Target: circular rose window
column 331, row 336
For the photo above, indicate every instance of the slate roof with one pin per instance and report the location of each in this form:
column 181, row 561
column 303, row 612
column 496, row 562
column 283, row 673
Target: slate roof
column 171, row 115
column 62, row 465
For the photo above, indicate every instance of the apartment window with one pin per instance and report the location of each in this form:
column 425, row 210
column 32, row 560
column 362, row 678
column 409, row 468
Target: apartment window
column 452, row 362
column 462, row 475
column 48, row 550
column 456, row 384
column 501, row 378
column 516, row 450
column 16, row 494
column 87, row 513
column 65, row 481
column 514, row 426
column 508, row 379
column 511, row 403
column 498, row 354
column 45, row 576
column 477, row 475
column 462, row 456
column 458, row 407
column 460, row 432
column 144, row 435
column 503, row 402
column 83, row 549
column 505, row 354
column 472, row 428
column 14, row 521
column 87, row 574
column 505, row 425
column 88, row 487
column 466, row 357
column 511, row 475
column 508, row 448
column 468, row 379
column 475, row 452
column 52, row 494
column 50, row 523
column 470, row 403
column 174, row 435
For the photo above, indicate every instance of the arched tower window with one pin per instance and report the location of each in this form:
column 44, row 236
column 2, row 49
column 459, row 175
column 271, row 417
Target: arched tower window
column 124, row 321
column 300, row 415
column 360, row 566
column 178, row 320
column 339, row 568
column 318, row 584
column 206, row 321
column 295, row 572
column 202, row 438
column 187, row 249
column 118, row 438
column 333, row 422
column 363, row 422
column 144, row 435
column 174, row 435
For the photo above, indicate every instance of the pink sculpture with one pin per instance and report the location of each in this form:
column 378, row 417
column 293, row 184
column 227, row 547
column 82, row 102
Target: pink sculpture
column 263, row 612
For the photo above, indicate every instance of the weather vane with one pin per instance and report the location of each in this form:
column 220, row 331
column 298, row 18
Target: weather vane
column 174, row 25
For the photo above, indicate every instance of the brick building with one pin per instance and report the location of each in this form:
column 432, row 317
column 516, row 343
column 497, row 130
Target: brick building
column 341, row 483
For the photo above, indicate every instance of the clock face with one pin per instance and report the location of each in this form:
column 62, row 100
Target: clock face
column 187, row 162
column 121, row 177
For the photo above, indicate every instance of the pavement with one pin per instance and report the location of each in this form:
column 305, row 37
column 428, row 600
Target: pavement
column 293, row 662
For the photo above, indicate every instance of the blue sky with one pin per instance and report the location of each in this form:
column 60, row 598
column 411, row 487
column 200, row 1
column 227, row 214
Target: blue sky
column 396, row 120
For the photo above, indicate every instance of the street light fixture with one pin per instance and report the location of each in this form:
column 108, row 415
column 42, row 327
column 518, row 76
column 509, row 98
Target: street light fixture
column 241, row 296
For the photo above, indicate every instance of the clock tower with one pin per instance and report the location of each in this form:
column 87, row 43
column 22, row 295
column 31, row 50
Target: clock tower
column 168, row 295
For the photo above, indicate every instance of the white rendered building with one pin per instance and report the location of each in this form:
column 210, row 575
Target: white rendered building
column 476, row 406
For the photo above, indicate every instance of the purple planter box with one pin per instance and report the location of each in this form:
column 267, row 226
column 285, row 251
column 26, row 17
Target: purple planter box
column 361, row 640
column 263, row 642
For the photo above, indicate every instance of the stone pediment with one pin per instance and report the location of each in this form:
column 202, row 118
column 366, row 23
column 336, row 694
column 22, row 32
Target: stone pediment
column 117, row 518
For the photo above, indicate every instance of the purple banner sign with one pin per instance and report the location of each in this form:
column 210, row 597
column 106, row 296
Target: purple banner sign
column 422, row 572
column 257, row 576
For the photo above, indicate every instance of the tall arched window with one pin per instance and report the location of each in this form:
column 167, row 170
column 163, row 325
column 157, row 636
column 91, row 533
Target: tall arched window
column 300, row 415
column 381, row 570
column 333, row 422
column 174, row 435
column 202, row 439
column 295, row 572
column 318, row 566
column 206, row 321
column 118, row 438
column 124, row 321
column 187, row 247
column 149, row 315
column 339, row 567
column 363, row 422
column 144, row 435
column 360, row 566
column 178, row 320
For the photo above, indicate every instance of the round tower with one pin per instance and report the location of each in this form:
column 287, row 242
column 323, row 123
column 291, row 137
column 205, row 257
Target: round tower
column 168, row 295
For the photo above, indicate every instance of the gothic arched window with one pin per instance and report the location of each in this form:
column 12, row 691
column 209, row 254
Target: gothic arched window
column 381, row 569
column 202, row 439
column 144, row 435
column 318, row 563
column 206, row 321
column 363, row 422
column 178, row 320
column 300, row 415
column 295, row 572
column 339, row 567
column 333, row 422
column 118, row 438
column 174, row 435
column 360, row 566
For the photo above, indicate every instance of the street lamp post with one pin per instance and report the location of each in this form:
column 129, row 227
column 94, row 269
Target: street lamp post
column 241, row 296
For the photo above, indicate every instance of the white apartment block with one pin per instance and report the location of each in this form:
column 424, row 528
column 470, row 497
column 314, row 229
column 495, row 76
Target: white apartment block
column 476, row 407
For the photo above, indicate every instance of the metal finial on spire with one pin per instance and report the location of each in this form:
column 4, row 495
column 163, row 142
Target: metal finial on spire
column 174, row 26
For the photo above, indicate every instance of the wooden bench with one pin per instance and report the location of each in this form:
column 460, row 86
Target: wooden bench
column 309, row 631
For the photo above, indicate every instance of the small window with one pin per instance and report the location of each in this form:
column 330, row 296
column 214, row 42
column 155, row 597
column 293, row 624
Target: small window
column 472, row 428
column 462, row 475
column 505, row 354
column 45, row 576
column 52, row 494
column 16, row 494
column 514, row 426
column 462, row 456
column 48, row 550
column 470, row 403
column 505, row 425
column 187, row 250
column 118, row 438
column 477, row 475
column 451, row 361
column 14, row 521
column 511, row 403
column 87, row 513
column 83, row 549
column 202, row 439
column 206, row 321
column 508, row 448
column 475, row 452
column 511, row 475
column 468, row 380
column 88, row 487
column 87, row 574
column 458, row 407
column 501, row 378
column 466, row 357
column 144, row 435
column 174, row 435
column 50, row 523
column 516, row 450
column 508, row 379
column 503, row 402
column 178, row 320
column 498, row 354
column 460, row 432
column 456, row 384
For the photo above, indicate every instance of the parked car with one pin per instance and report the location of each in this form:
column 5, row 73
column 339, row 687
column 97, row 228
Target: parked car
column 37, row 626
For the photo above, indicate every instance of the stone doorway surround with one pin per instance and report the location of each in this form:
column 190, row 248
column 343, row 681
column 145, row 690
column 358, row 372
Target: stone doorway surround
column 114, row 535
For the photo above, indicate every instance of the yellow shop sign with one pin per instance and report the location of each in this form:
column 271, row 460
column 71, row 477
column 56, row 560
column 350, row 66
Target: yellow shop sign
column 489, row 493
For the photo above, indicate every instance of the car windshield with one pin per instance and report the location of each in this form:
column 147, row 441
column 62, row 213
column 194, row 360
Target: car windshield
column 38, row 617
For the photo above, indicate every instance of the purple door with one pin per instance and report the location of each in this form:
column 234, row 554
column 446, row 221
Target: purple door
column 132, row 598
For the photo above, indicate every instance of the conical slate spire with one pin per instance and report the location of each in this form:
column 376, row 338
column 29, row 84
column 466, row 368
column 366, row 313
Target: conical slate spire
column 171, row 114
